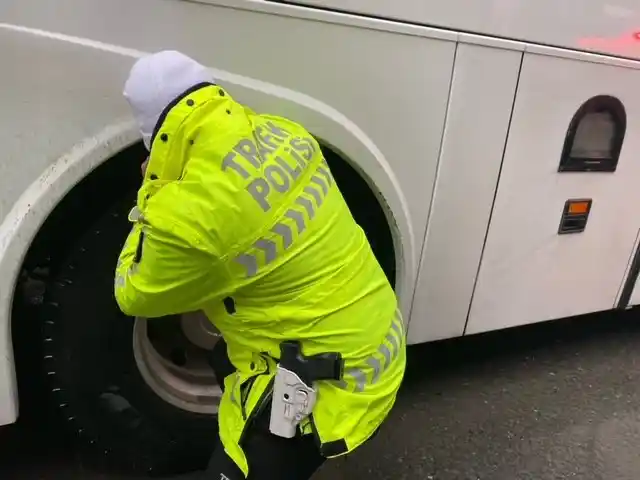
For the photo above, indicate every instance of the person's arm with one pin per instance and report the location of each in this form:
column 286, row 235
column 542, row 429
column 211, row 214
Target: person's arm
column 161, row 273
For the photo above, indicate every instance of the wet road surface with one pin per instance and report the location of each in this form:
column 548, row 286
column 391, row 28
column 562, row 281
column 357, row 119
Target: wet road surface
column 552, row 401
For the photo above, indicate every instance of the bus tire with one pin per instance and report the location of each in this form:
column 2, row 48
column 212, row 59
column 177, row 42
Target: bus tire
column 118, row 421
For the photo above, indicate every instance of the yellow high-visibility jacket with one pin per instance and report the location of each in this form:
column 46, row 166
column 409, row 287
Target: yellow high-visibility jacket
column 236, row 204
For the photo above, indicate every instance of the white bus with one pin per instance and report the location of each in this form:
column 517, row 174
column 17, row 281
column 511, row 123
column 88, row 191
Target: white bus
column 489, row 148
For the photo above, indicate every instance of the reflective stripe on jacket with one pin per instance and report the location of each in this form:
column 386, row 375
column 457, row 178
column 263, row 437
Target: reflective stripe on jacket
column 236, row 204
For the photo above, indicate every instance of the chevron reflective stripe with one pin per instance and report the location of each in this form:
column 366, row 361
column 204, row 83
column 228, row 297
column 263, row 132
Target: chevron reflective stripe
column 375, row 364
column 269, row 249
column 397, row 327
column 320, row 182
column 308, row 206
column 360, row 379
column 357, row 378
column 386, row 353
column 293, row 223
column 315, row 194
column 296, row 217
column 285, row 232
column 393, row 340
column 250, row 262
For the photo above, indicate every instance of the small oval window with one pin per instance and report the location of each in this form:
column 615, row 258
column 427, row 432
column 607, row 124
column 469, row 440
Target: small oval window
column 595, row 136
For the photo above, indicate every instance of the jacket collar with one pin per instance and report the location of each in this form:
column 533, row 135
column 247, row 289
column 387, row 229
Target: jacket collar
column 175, row 102
column 174, row 134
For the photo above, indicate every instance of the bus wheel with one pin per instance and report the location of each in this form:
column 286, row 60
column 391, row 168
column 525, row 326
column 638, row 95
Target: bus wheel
column 138, row 395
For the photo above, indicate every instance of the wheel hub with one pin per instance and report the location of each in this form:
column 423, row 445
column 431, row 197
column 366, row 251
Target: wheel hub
column 171, row 354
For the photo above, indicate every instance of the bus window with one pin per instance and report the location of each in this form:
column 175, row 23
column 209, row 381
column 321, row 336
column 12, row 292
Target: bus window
column 595, row 136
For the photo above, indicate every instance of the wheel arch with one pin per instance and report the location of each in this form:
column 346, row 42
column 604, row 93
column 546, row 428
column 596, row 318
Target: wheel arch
column 25, row 220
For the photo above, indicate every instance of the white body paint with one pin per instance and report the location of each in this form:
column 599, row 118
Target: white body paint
column 425, row 113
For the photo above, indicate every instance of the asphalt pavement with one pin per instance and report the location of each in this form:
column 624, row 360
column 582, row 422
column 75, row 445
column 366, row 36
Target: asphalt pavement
column 548, row 402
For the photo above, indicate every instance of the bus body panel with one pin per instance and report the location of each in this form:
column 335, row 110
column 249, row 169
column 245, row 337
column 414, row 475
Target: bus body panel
column 529, row 272
column 595, row 25
column 342, row 82
column 55, row 96
column 425, row 114
column 480, row 103
column 354, row 68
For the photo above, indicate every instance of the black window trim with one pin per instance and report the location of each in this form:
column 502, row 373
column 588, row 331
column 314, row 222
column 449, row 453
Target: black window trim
column 595, row 104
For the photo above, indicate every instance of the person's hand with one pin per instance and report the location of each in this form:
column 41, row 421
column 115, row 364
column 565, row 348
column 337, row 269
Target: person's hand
column 143, row 167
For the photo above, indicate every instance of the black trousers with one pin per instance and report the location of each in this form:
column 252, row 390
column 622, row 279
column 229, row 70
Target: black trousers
column 270, row 457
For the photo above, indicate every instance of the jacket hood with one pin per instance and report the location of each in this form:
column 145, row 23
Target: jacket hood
column 155, row 81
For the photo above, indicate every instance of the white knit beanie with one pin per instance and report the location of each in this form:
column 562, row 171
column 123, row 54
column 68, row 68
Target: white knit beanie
column 155, row 81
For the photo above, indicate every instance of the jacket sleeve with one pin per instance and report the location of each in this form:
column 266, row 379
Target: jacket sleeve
column 162, row 273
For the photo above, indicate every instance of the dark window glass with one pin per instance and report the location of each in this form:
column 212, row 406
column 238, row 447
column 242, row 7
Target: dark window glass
column 595, row 136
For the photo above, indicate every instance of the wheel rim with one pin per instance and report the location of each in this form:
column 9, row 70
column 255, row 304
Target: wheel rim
column 171, row 355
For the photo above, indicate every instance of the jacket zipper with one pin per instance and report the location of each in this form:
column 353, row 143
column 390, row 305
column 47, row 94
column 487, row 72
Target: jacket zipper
column 260, row 406
column 245, row 389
